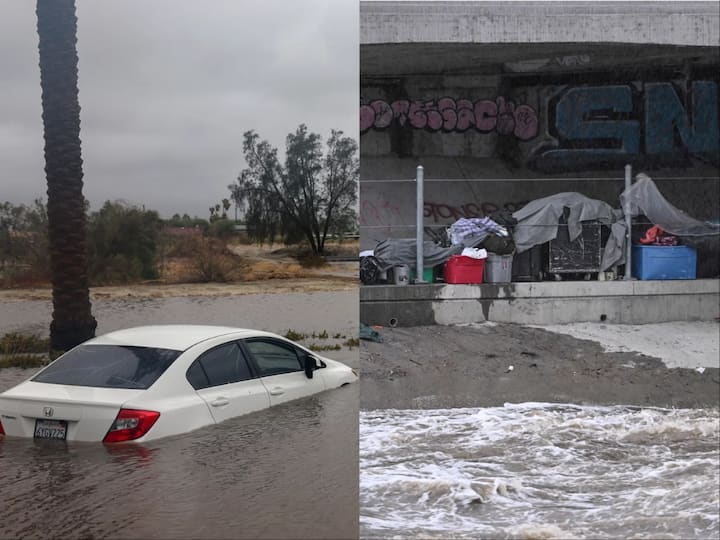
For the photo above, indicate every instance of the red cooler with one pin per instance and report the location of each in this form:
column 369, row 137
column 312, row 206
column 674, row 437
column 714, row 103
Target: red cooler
column 461, row 269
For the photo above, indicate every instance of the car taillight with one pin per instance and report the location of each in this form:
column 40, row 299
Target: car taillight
column 2, row 431
column 131, row 424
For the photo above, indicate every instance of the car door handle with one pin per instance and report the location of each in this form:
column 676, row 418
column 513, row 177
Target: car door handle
column 220, row 402
column 277, row 391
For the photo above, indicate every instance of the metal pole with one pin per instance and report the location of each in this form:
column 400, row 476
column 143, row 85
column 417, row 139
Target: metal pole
column 419, row 209
column 628, row 225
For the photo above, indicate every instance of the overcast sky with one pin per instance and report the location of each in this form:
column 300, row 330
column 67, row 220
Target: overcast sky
column 168, row 87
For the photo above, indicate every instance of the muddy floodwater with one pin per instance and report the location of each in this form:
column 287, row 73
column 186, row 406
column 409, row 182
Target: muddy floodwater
column 306, row 312
column 287, row 472
column 533, row 471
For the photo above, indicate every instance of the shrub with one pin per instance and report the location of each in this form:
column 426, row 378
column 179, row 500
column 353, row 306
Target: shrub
column 292, row 335
column 212, row 262
column 15, row 342
column 24, row 256
column 311, row 260
column 123, row 243
column 222, row 228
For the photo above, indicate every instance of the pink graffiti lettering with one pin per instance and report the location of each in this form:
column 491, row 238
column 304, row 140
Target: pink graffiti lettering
column 383, row 114
column 526, row 123
column 370, row 213
column 453, row 115
column 380, row 212
column 485, row 115
column 367, row 117
column 441, row 211
column 401, row 109
column 446, row 212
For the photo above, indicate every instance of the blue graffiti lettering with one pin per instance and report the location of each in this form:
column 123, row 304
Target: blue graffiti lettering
column 585, row 114
column 665, row 114
column 602, row 124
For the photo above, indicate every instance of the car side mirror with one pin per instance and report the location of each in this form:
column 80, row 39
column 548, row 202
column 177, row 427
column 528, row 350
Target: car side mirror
column 310, row 366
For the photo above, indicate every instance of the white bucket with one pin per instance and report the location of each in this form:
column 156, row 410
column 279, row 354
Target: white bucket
column 498, row 268
column 401, row 274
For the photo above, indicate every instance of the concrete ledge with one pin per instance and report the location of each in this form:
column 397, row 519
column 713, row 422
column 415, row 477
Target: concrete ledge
column 676, row 23
column 627, row 302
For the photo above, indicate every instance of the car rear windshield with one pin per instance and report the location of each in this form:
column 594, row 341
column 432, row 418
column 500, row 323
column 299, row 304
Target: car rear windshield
column 109, row 366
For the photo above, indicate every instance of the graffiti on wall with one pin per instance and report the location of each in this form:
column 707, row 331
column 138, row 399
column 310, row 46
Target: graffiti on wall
column 452, row 115
column 384, row 212
column 372, row 213
column 593, row 123
column 449, row 213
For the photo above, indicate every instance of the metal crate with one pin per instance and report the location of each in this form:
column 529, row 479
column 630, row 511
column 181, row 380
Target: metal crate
column 582, row 255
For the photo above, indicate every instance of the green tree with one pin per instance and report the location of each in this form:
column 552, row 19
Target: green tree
column 23, row 237
column 124, row 242
column 307, row 197
column 72, row 320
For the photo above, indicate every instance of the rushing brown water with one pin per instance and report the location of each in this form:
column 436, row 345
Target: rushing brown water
column 540, row 471
column 287, row 472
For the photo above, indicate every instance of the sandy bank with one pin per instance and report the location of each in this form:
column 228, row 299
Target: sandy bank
column 277, row 286
column 470, row 366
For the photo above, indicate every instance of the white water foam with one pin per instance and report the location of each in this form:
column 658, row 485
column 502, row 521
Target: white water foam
column 540, row 470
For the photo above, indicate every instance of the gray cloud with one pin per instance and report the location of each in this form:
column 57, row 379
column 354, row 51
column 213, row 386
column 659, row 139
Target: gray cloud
column 168, row 87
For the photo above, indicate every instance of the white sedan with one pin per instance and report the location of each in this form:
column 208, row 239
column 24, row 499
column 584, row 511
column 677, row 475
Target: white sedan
column 153, row 381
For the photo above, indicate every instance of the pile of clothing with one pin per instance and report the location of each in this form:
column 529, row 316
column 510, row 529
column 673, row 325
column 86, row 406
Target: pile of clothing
column 655, row 236
column 494, row 233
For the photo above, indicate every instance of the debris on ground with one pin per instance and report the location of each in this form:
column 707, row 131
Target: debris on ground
column 369, row 334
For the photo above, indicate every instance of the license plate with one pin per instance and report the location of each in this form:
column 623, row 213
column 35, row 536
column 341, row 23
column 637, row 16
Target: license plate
column 50, row 429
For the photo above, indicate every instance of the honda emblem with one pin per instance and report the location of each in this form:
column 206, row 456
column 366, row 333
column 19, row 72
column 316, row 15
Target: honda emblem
column 48, row 411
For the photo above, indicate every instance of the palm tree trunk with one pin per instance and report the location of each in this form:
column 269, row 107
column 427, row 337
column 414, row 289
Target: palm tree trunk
column 72, row 320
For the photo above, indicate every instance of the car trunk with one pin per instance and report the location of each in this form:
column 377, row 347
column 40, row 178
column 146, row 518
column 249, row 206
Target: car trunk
column 42, row 410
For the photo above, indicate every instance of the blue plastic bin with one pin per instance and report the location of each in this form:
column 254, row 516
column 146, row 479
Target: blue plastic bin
column 664, row 262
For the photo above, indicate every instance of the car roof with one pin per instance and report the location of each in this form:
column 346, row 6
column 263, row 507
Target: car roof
column 171, row 336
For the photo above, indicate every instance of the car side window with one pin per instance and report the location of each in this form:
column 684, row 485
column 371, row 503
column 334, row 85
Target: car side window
column 222, row 365
column 196, row 376
column 273, row 357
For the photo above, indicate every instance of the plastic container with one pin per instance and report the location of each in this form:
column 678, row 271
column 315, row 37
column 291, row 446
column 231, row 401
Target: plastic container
column 461, row 269
column 428, row 275
column 401, row 274
column 664, row 262
column 498, row 268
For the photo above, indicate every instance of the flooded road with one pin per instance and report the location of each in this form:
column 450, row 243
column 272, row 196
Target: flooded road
column 306, row 312
column 540, row 471
column 287, row 472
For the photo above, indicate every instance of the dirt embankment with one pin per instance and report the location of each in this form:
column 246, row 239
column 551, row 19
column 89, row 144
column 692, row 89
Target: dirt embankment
column 261, row 269
column 470, row 366
column 276, row 286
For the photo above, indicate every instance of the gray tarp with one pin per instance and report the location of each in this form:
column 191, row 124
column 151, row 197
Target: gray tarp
column 645, row 199
column 538, row 221
column 394, row 251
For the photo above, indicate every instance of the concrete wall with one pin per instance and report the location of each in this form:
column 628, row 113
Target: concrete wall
column 503, row 103
column 621, row 302
column 688, row 23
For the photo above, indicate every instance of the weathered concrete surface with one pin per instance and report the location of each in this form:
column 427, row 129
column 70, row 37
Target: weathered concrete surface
column 625, row 302
column 688, row 23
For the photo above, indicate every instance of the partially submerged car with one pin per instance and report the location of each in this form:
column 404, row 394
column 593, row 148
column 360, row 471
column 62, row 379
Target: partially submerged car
column 149, row 382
